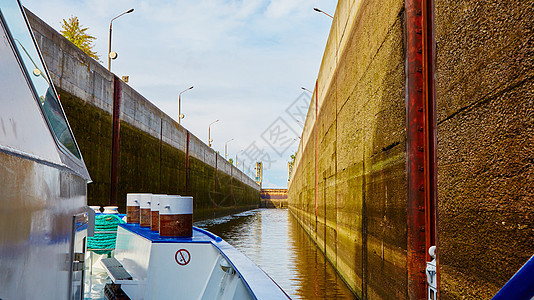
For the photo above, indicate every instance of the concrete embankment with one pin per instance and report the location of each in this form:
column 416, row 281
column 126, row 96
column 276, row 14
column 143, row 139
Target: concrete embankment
column 350, row 184
column 155, row 154
column 485, row 109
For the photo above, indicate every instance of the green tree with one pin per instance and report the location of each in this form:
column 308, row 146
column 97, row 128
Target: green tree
column 74, row 32
column 293, row 157
column 231, row 161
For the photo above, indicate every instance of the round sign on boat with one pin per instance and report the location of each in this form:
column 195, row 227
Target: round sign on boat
column 182, row 257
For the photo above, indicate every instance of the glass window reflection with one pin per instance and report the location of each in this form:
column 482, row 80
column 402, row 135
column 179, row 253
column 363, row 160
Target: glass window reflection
column 37, row 74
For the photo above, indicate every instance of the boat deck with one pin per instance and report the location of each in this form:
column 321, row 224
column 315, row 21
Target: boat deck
column 255, row 280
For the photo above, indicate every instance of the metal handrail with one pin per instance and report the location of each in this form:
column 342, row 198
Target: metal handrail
column 106, row 231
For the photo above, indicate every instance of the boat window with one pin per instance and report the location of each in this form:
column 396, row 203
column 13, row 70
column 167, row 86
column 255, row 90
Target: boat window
column 36, row 72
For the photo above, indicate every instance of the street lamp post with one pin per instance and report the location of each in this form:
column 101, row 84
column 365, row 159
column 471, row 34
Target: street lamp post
column 209, row 132
column 236, row 155
column 318, row 10
column 110, row 26
column 226, row 148
column 180, row 116
column 306, row 90
column 236, row 160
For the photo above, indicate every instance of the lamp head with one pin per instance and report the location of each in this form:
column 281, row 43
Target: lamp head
column 131, row 9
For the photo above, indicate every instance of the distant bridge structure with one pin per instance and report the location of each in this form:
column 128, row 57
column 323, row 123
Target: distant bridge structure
column 273, row 198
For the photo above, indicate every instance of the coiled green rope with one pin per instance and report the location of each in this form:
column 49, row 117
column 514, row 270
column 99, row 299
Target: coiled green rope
column 104, row 240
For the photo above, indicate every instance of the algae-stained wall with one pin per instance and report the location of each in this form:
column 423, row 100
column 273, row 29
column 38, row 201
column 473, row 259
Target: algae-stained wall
column 94, row 140
column 485, row 92
column 349, row 186
column 357, row 213
column 153, row 148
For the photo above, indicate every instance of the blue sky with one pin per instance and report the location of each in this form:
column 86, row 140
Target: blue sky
column 246, row 60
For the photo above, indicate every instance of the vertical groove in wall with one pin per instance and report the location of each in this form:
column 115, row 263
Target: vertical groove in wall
column 315, row 129
column 215, row 179
column 187, row 170
column 364, row 232
column 160, row 188
column 431, row 197
column 117, row 96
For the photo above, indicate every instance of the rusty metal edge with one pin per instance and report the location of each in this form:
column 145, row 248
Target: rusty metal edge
column 420, row 144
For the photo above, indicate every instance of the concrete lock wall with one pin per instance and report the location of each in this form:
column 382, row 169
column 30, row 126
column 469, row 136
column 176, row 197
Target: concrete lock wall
column 353, row 202
column 485, row 108
column 349, row 188
column 153, row 147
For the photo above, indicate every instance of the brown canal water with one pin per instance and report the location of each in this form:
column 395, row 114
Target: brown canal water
column 274, row 240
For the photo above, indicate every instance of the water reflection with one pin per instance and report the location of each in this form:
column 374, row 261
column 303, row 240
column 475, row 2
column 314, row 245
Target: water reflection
column 273, row 240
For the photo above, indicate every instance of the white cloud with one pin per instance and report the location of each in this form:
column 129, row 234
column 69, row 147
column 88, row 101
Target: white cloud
column 283, row 8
